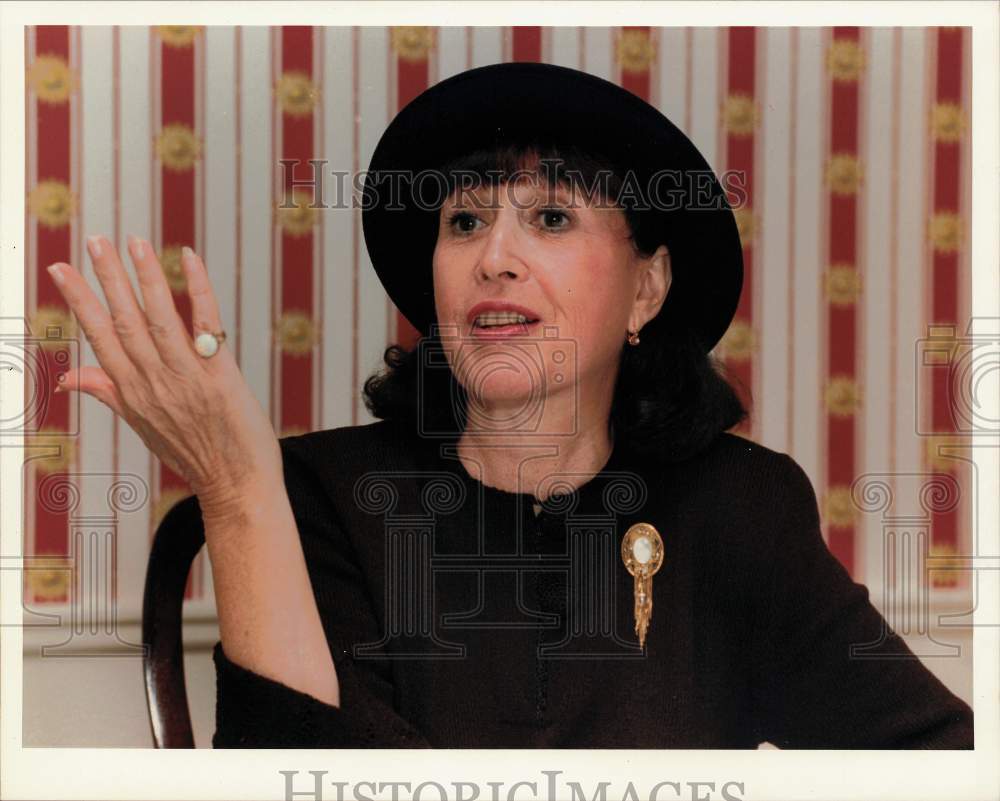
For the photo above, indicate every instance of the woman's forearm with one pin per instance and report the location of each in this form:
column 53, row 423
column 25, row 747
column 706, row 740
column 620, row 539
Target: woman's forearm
column 268, row 619
column 192, row 407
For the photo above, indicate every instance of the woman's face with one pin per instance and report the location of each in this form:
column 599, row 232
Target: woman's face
column 566, row 265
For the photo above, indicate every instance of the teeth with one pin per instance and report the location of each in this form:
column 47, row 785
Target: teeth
column 490, row 319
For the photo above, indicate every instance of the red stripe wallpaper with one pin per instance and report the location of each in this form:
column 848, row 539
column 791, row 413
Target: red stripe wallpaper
column 844, row 174
column 178, row 152
column 411, row 50
column 311, row 295
column 53, row 207
column 297, row 324
column 946, row 284
column 740, row 120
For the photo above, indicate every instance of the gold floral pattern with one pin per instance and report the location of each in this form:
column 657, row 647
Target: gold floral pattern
column 947, row 122
column 178, row 147
column 48, row 576
column 746, row 225
column 947, row 567
column 412, row 42
column 299, row 219
column 842, row 284
column 635, row 51
column 945, row 232
column 839, row 509
column 845, row 60
column 944, row 452
column 941, row 346
column 842, row 396
column 843, row 174
column 173, row 270
column 50, row 451
column 51, row 326
column 52, row 203
column 739, row 114
column 178, row 35
column 51, row 79
column 297, row 94
column 296, row 333
column 739, row 342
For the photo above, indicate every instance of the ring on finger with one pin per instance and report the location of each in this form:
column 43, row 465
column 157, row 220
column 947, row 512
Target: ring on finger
column 207, row 343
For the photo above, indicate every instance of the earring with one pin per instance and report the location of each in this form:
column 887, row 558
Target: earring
column 633, row 338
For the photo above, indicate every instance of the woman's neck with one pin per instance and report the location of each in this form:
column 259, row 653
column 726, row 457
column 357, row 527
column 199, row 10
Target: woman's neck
column 531, row 462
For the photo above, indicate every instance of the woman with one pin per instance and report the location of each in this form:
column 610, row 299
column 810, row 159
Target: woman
column 479, row 568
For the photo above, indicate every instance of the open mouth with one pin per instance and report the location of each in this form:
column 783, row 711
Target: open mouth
column 498, row 324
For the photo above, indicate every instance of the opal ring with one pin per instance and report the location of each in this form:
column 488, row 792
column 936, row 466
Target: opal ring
column 207, row 343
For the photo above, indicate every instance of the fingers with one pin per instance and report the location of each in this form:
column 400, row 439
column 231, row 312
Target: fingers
column 164, row 327
column 95, row 382
column 205, row 316
column 94, row 319
column 129, row 320
column 129, row 338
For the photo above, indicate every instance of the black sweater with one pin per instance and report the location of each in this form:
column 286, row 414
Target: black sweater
column 458, row 616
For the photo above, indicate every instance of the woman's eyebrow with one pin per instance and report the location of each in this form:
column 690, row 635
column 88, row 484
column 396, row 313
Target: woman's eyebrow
column 470, row 197
column 558, row 193
column 485, row 197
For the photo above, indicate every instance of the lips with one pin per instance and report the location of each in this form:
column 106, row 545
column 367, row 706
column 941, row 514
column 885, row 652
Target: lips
column 500, row 306
column 503, row 331
column 494, row 307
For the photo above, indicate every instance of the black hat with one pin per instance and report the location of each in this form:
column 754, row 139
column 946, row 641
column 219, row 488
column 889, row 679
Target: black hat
column 512, row 103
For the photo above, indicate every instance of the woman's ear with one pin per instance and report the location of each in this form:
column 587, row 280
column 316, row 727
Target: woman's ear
column 654, row 284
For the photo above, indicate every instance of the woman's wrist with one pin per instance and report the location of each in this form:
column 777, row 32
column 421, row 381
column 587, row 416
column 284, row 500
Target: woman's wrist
column 236, row 506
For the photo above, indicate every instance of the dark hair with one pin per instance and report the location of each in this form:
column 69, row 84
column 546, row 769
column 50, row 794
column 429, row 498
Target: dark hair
column 670, row 400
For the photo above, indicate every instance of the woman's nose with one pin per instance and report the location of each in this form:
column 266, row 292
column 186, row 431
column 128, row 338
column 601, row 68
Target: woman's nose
column 506, row 271
column 500, row 258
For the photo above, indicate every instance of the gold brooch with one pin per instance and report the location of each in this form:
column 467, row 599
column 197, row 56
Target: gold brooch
column 642, row 553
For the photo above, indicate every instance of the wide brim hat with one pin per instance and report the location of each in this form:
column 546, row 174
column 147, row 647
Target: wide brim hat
column 516, row 103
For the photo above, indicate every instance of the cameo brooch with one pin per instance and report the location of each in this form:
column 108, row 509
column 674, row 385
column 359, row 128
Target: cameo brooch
column 642, row 553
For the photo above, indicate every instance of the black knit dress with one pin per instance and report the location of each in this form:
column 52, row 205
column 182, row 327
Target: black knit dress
column 463, row 616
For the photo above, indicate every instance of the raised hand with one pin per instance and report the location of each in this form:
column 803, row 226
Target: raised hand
column 196, row 414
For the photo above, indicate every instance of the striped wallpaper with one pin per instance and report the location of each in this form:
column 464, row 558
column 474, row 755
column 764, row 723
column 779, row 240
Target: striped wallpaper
column 853, row 143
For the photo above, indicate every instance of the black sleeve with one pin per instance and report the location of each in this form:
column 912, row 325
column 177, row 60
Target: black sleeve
column 253, row 711
column 809, row 690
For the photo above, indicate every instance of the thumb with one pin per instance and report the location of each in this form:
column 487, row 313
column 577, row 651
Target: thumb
column 95, row 382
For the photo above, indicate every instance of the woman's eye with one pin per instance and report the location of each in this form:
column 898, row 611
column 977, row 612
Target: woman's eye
column 554, row 219
column 463, row 222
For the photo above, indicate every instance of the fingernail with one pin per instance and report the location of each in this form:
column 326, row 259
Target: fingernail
column 187, row 253
column 94, row 247
column 61, row 379
column 56, row 271
column 136, row 246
